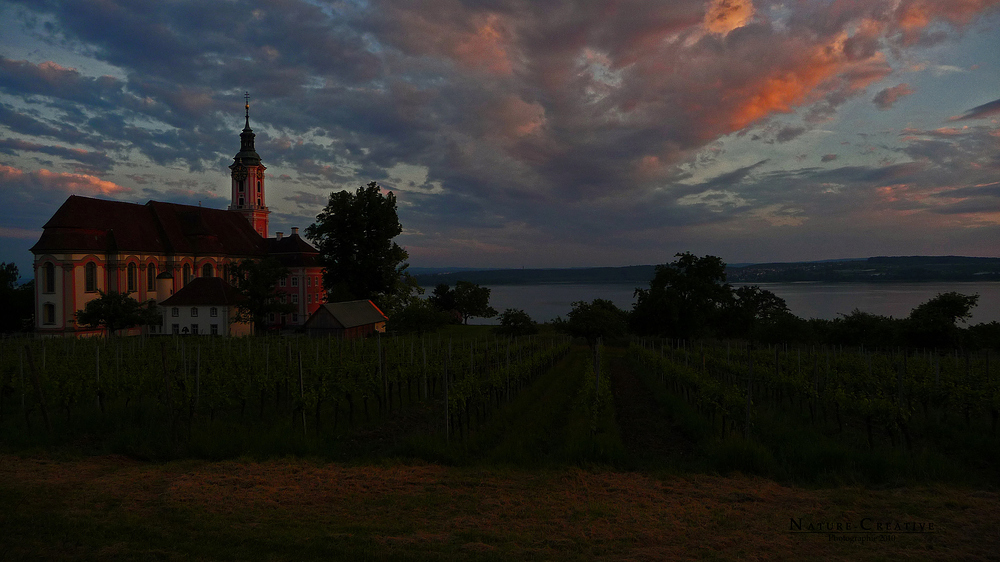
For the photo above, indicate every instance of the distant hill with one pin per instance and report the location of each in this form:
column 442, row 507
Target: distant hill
column 637, row 274
column 877, row 269
column 864, row 270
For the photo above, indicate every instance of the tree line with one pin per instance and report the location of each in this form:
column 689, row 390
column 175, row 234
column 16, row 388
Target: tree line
column 690, row 298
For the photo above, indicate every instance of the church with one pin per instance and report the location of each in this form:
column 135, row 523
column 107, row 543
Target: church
column 154, row 250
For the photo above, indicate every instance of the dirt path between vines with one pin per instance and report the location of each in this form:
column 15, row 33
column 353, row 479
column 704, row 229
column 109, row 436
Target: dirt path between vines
column 646, row 427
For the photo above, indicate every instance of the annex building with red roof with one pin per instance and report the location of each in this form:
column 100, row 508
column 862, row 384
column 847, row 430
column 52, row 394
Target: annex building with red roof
column 154, row 250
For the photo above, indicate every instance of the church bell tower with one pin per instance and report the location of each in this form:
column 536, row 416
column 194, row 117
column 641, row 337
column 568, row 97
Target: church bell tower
column 248, row 180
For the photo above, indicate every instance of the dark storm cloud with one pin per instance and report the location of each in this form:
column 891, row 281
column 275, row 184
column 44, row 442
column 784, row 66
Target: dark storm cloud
column 888, row 97
column 789, row 133
column 968, row 207
column 93, row 160
column 24, row 124
column 51, row 79
column 990, row 190
column 981, row 111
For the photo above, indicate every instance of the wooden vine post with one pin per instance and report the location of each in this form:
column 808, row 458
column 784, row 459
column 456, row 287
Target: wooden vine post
column 38, row 387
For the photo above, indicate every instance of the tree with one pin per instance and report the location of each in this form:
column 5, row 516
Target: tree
column 471, row 300
column 353, row 234
column 863, row 328
column 934, row 323
column 515, row 322
column 16, row 301
column 443, row 298
column 685, row 299
column 597, row 319
column 115, row 311
column 257, row 281
column 752, row 308
column 418, row 316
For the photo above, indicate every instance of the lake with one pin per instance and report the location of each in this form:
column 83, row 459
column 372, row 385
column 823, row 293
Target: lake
column 806, row 300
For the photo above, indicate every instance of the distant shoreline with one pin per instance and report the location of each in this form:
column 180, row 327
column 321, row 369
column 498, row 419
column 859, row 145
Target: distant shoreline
column 909, row 269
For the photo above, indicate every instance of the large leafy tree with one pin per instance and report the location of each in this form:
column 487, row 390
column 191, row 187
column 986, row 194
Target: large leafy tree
column 685, row 299
column 752, row 308
column 115, row 311
column 471, row 300
column 467, row 299
column 516, row 322
column 354, row 235
column 443, row 297
column 935, row 322
column 419, row 316
column 593, row 320
column 16, row 301
column 257, row 281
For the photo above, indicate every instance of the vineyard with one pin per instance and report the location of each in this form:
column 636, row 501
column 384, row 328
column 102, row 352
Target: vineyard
column 307, row 387
column 869, row 414
column 904, row 401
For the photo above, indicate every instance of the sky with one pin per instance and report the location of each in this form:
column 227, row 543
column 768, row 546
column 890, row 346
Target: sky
column 525, row 133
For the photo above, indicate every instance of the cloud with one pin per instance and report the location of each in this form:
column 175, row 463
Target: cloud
column 888, row 97
column 306, row 200
column 789, row 133
column 980, row 112
column 95, row 160
column 573, row 121
column 43, row 183
column 20, row 233
column 724, row 16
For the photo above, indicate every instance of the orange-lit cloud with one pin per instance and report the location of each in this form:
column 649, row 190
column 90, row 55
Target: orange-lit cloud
column 822, row 70
column 486, row 47
column 79, row 184
column 724, row 16
column 915, row 16
column 517, row 118
column 480, row 41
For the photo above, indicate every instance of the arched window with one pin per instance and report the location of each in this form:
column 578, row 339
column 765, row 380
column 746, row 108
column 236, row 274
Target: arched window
column 49, row 273
column 151, row 277
column 132, row 277
column 48, row 313
column 206, row 270
column 187, row 273
column 90, row 277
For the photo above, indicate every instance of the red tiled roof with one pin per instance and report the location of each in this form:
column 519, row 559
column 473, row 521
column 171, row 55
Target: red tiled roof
column 293, row 251
column 87, row 224
column 205, row 291
column 350, row 314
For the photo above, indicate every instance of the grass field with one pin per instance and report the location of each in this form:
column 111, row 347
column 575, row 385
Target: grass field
column 545, row 478
column 105, row 508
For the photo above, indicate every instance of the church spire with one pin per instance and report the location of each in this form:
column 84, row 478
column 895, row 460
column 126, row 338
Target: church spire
column 246, row 95
column 248, row 179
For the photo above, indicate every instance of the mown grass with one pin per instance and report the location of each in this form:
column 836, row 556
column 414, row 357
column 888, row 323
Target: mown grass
column 100, row 508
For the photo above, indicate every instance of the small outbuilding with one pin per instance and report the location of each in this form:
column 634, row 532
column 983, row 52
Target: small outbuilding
column 205, row 306
column 351, row 319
